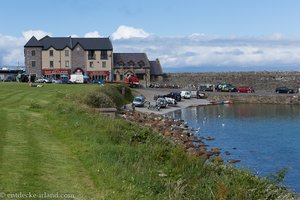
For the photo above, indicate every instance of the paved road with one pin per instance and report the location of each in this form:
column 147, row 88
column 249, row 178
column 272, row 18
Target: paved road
column 184, row 103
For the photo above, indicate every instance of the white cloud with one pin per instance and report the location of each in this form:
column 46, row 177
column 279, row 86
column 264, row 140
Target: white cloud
column 73, row 36
column 11, row 50
column 202, row 50
column 36, row 33
column 127, row 32
column 199, row 50
column 92, row 34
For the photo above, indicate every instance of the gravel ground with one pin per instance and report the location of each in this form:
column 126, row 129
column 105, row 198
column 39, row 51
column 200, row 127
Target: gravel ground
column 149, row 94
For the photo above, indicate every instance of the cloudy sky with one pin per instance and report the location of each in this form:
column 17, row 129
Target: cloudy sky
column 191, row 35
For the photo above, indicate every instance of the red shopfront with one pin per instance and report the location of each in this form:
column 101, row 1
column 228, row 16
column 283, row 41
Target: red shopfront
column 56, row 73
column 99, row 75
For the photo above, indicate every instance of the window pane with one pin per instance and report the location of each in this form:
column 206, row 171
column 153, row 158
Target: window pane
column 51, row 63
column 66, row 52
column 91, row 64
column 33, row 53
column 32, row 63
column 104, row 54
column 51, row 53
column 67, row 63
column 103, row 64
column 91, row 55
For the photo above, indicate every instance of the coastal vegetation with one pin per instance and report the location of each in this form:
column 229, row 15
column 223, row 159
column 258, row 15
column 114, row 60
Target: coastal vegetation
column 52, row 140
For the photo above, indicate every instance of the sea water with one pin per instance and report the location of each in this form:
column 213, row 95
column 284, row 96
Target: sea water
column 265, row 138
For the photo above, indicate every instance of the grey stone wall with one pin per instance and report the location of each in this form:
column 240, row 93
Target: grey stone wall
column 38, row 58
column 78, row 59
column 254, row 98
column 264, row 81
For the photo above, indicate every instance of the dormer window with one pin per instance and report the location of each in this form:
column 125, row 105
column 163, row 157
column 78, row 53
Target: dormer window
column 67, row 53
column 131, row 63
column 33, row 53
column 141, row 64
column 51, row 53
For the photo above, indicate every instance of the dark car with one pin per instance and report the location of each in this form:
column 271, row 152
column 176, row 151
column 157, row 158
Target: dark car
column 174, row 95
column 101, row 82
column 284, row 90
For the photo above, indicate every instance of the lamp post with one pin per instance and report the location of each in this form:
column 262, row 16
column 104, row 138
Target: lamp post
column 146, row 76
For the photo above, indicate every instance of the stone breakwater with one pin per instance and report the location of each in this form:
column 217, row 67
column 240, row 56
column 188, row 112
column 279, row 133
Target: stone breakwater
column 264, row 81
column 175, row 131
column 292, row 99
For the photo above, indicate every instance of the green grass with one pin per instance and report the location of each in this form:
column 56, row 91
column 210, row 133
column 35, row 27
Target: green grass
column 50, row 141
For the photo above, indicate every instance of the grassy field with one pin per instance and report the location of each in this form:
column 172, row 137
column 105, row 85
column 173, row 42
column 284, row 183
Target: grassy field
column 50, row 141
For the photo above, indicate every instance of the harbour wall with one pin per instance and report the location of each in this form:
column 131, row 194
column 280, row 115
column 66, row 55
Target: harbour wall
column 254, row 98
column 264, row 81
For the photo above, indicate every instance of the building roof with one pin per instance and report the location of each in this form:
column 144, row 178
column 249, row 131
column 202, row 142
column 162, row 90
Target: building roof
column 155, row 68
column 60, row 43
column 137, row 60
column 33, row 42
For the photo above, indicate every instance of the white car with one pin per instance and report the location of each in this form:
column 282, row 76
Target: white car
column 171, row 101
column 185, row 94
column 42, row 80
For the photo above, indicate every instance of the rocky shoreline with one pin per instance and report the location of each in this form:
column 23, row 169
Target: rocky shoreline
column 175, row 131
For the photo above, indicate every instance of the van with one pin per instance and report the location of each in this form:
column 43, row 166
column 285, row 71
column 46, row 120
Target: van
column 76, row 78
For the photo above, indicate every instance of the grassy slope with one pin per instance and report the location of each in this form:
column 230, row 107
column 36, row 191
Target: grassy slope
column 50, row 144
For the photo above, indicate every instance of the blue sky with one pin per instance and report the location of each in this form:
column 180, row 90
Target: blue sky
column 222, row 34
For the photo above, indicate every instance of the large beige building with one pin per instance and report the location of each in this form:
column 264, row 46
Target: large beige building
column 58, row 57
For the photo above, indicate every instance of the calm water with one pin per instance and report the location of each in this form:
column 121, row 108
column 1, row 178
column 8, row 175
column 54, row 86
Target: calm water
column 264, row 137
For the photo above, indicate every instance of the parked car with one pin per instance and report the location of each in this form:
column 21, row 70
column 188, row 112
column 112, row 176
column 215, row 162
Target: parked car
column 174, row 95
column 43, row 80
column 57, row 81
column 284, row 90
column 101, row 82
column 228, row 88
column 206, row 87
column 161, row 102
column 197, row 94
column 139, row 101
column 185, row 94
column 171, row 101
column 245, row 89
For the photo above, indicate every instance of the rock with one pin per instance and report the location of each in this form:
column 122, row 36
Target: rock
column 216, row 151
column 233, row 161
column 227, row 153
column 210, row 138
column 189, row 145
column 167, row 133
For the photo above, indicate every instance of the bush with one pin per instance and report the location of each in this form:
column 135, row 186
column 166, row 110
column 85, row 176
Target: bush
column 98, row 99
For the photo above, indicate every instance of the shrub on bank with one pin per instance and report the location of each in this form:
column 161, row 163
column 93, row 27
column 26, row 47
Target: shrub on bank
column 105, row 96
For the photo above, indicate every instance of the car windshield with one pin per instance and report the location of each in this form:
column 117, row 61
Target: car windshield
column 138, row 99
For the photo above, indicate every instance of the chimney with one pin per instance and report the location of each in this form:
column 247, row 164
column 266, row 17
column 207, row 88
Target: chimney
column 157, row 61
